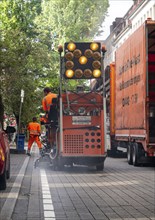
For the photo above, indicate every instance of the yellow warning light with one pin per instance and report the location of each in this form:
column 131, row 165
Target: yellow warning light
column 69, row 73
column 77, row 53
column 96, row 64
column 69, row 64
column 94, row 46
column 71, row 46
column 88, row 53
column 97, row 73
column 88, row 73
column 83, row 60
column 78, row 73
column 97, row 56
column 69, row 56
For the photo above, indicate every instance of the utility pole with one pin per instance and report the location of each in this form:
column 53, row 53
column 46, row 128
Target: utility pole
column 20, row 111
column 60, row 50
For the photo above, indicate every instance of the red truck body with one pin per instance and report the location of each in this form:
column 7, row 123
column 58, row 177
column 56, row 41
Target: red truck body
column 132, row 94
column 83, row 130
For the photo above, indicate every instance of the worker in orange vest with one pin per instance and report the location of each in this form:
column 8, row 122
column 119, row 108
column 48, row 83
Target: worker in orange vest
column 46, row 105
column 34, row 129
column 47, row 100
column 43, row 119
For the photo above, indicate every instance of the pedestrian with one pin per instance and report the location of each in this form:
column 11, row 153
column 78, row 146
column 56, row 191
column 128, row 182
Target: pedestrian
column 34, row 129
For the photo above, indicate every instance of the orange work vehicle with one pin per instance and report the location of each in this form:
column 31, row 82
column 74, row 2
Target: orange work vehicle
column 80, row 133
column 131, row 98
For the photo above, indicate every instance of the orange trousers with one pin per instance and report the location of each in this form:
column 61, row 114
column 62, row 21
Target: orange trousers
column 32, row 139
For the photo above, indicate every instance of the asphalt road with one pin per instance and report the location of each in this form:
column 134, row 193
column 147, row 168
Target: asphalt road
column 119, row 192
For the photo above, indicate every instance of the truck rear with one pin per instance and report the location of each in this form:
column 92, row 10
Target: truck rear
column 135, row 94
column 80, row 134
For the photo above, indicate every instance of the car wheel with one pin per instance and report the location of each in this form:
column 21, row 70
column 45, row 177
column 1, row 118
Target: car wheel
column 3, row 181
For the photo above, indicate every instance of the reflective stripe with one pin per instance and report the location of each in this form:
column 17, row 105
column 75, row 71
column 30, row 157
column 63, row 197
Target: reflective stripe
column 34, row 132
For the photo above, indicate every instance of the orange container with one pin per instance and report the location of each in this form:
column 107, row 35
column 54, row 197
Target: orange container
column 135, row 88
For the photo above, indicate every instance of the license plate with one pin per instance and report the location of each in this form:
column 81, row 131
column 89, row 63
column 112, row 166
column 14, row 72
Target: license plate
column 81, row 120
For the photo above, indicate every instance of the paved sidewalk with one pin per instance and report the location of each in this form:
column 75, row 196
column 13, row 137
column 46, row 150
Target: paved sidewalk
column 120, row 192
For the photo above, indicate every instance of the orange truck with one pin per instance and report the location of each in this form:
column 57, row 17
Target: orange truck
column 130, row 88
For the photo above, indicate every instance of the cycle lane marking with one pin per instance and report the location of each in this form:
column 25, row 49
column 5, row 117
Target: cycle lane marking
column 48, row 208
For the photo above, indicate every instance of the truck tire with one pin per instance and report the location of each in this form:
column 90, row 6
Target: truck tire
column 129, row 154
column 100, row 167
column 55, row 164
column 135, row 154
column 60, row 165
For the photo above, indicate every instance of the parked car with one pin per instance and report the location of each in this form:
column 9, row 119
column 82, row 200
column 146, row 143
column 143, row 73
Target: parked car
column 4, row 157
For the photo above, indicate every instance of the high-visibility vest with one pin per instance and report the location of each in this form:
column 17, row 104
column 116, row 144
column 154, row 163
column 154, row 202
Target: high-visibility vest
column 43, row 119
column 47, row 101
column 34, row 128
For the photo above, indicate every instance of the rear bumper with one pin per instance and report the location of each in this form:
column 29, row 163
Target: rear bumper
column 83, row 160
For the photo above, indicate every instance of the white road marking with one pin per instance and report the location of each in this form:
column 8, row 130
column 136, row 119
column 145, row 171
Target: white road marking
column 49, row 213
column 8, row 207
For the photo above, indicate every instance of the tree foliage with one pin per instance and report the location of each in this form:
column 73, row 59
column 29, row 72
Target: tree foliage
column 30, row 31
column 72, row 20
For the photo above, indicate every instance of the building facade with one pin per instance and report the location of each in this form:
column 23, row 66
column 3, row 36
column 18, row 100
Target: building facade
column 122, row 28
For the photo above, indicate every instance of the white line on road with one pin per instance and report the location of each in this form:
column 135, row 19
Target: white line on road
column 10, row 202
column 47, row 199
